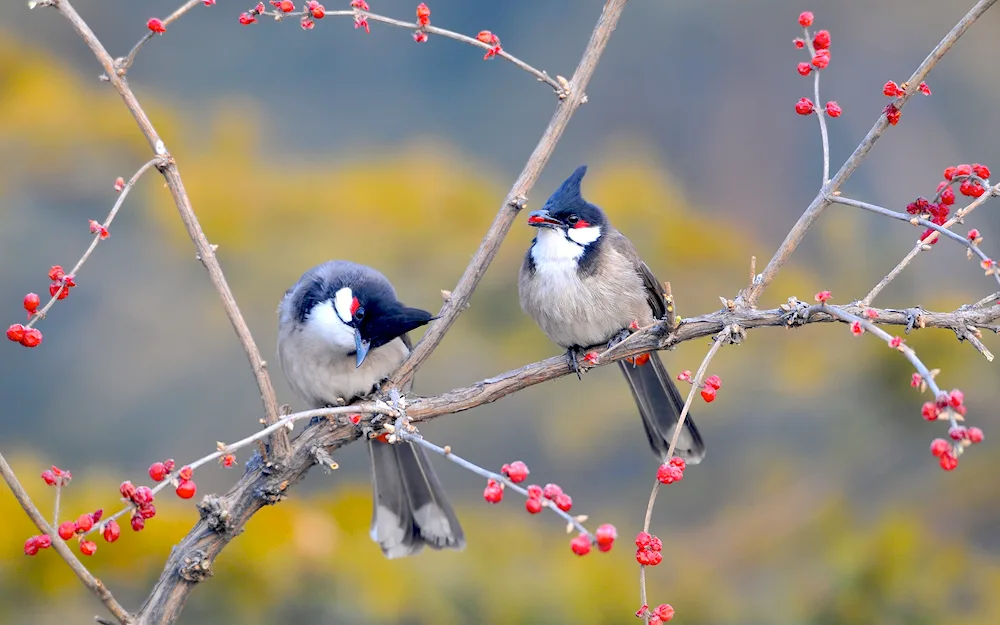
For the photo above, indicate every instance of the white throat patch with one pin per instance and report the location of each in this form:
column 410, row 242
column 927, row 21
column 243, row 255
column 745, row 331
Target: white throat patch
column 584, row 236
column 551, row 246
column 342, row 302
column 328, row 326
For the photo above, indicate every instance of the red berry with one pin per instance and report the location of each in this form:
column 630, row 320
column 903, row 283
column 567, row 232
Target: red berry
column 56, row 272
column 915, row 380
column 127, row 490
column 137, row 523
column 957, row 433
column 533, row 505
column 668, row 474
column 168, row 464
column 956, row 398
column 940, row 447
column 228, row 460
column 891, row 114
column 895, row 342
column 981, row 170
column 929, row 411
column 799, row 43
column 949, row 172
column 31, row 546
column 31, row 302
column 822, row 40
column 58, row 291
column 148, row 510
column 580, row 545
column 975, row 435
column 32, row 337
column 564, row 502
column 246, row 19
column 359, row 4
column 423, row 14
column 806, row 19
column 186, row 489
column 88, row 547
column 891, row 89
column 804, row 68
column 316, row 9
column 84, row 523
column 142, row 495
column 643, row 540
column 43, row 541
column 833, row 109
column 487, row 37
column 49, row 477
column 66, row 530
column 822, row 297
column 963, row 170
column 948, row 196
column 822, row 59
column 535, row 491
column 97, row 514
column 856, row 328
column 551, row 491
column 157, row 471
column 420, row 36
column 971, row 188
column 307, row 23
column 664, row 612
column 516, row 471
column 112, row 531
column 973, row 234
column 286, row 6
column 16, row 333
column 948, row 462
column 156, row 26
column 924, row 89
column 714, row 381
column 606, row 534
column 708, row 394
column 186, row 473
column 493, row 492
column 119, row 184
column 684, row 376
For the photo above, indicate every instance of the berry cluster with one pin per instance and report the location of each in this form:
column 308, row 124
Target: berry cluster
column 663, row 613
column 83, row 524
column 949, row 406
column 56, row 476
column 972, row 180
column 819, row 47
column 892, row 90
column 648, row 549
column 670, row 472
column 491, row 40
column 708, row 391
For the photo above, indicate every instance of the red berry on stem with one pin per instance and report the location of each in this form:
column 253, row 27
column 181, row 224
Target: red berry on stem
column 973, row 234
column 493, row 492
column 799, row 43
column 856, row 328
column 186, row 473
column 31, row 302
column 580, row 545
column 127, row 490
column 963, row 170
column 684, row 376
column 833, row 109
column 708, row 394
column 137, row 522
column 891, row 89
column 157, row 471
column 156, row 26
column 147, row 510
column 668, row 474
column 975, row 435
column 956, row 398
column 66, row 530
column 32, row 337
column 929, row 411
column 806, row 19
column 804, row 68
column 186, row 489
column 606, row 534
column 822, row 59
column 533, row 505
column 16, row 333
column 423, row 14
column 981, row 170
column 948, row 462
column 822, row 297
column 948, row 196
column 891, row 114
column 112, row 531
column 119, row 184
column 924, row 89
column 43, row 541
column 88, row 547
column 535, row 491
column 246, row 19
column 822, row 40
column 84, row 523
column 940, row 447
column 564, row 502
column 516, row 471
column 713, row 381
column 359, row 4
column 664, row 612
column 49, row 477
column 142, row 495
column 643, row 540
column 551, row 491
column 31, row 546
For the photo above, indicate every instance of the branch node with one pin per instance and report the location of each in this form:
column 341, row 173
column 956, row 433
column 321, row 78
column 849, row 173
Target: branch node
column 197, row 567
column 324, row 459
column 215, row 514
column 794, row 312
column 519, row 202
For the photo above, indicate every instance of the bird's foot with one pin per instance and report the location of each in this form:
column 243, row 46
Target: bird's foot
column 574, row 363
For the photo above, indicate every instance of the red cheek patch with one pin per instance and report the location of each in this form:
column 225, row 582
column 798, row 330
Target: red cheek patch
column 583, row 223
column 355, row 304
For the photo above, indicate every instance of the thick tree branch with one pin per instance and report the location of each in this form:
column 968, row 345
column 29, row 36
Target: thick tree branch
column 206, row 251
column 516, row 197
column 91, row 582
column 823, row 198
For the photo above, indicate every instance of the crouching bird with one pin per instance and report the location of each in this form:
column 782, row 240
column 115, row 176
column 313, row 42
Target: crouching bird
column 584, row 284
column 341, row 332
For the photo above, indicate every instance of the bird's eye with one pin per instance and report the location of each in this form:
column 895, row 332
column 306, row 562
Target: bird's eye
column 359, row 314
column 572, row 219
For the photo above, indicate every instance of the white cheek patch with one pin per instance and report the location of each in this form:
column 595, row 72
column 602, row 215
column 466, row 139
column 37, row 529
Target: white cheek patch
column 552, row 247
column 326, row 324
column 584, row 236
column 342, row 301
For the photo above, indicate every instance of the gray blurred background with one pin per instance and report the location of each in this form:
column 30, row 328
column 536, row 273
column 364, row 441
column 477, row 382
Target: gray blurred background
column 818, row 501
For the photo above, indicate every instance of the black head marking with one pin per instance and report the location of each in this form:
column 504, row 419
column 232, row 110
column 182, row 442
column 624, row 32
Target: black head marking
column 568, row 206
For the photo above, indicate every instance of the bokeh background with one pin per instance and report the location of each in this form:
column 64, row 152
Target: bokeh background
column 818, row 501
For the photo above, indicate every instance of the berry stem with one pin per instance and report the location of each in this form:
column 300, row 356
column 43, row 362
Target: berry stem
column 819, row 113
column 97, row 239
column 125, row 64
column 719, row 340
column 55, row 512
column 416, row 439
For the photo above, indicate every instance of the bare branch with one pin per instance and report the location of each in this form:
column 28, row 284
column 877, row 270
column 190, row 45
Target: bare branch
column 517, row 196
column 123, row 65
column 95, row 585
column 824, row 197
column 206, row 252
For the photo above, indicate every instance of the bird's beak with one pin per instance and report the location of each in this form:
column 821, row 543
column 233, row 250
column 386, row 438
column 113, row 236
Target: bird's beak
column 542, row 219
column 361, row 347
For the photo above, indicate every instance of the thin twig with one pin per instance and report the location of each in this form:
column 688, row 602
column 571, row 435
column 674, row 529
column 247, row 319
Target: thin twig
column 490, row 475
column 819, row 111
column 824, row 197
column 55, row 506
column 91, row 582
column 433, row 30
column 919, row 247
column 720, row 339
column 97, row 239
column 516, row 197
column 965, row 241
column 126, row 63
column 205, row 250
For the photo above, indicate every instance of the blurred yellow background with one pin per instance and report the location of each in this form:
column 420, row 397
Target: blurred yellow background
column 818, row 501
